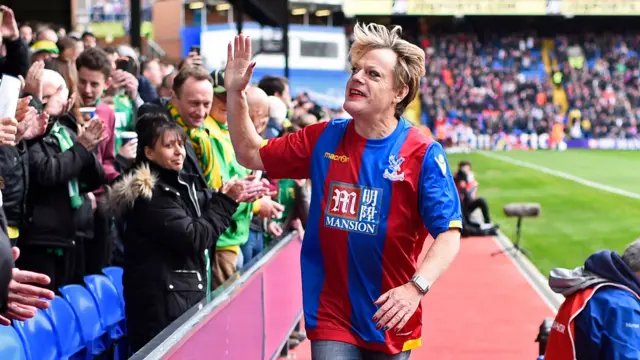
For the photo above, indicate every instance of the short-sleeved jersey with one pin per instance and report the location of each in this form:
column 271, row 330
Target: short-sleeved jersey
column 373, row 203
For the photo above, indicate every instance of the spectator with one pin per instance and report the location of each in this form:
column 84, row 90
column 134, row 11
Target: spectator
column 63, row 170
column 26, row 33
column 94, row 73
column 94, row 76
column 43, row 50
column 600, row 317
column 89, row 40
column 190, row 102
column 278, row 113
column 164, row 90
column 70, row 48
column 276, row 86
column 228, row 254
column 47, row 34
column 150, row 69
column 168, row 233
column 146, row 90
column 258, row 102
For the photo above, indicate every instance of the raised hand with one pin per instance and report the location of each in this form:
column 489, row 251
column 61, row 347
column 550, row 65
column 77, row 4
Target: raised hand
column 8, row 131
column 57, row 104
column 9, row 26
column 239, row 67
column 32, row 126
column 92, row 135
column 33, row 83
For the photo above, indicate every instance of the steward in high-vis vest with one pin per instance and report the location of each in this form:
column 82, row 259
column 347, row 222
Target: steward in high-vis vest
column 600, row 318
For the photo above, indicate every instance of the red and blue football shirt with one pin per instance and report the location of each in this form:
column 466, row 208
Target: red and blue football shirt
column 373, row 203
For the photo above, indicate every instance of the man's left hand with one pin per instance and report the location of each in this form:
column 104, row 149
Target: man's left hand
column 397, row 306
column 25, row 299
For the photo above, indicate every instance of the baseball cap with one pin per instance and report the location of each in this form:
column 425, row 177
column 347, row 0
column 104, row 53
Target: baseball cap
column 218, row 82
column 45, row 46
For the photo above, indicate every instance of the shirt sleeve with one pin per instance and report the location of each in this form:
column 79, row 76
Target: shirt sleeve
column 289, row 156
column 438, row 202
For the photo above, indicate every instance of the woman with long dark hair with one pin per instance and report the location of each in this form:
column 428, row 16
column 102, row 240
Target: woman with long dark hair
column 169, row 231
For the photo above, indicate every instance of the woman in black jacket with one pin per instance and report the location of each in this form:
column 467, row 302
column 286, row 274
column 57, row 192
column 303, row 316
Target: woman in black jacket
column 168, row 233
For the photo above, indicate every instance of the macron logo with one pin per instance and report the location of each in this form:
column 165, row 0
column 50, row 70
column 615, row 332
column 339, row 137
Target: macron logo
column 633, row 326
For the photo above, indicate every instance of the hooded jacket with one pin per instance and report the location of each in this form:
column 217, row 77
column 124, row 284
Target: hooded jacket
column 167, row 238
column 603, row 301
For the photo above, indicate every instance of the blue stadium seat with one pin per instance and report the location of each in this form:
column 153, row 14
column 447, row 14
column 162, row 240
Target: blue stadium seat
column 114, row 273
column 11, row 346
column 66, row 327
column 106, row 296
column 38, row 337
column 92, row 332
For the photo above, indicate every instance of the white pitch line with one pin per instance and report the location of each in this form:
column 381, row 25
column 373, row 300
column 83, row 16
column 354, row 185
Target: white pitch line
column 562, row 175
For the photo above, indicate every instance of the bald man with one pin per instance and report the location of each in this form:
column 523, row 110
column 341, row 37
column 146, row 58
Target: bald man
column 258, row 102
column 48, row 34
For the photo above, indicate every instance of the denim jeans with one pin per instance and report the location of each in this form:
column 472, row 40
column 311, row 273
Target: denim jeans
column 336, row 350
column 253, row 247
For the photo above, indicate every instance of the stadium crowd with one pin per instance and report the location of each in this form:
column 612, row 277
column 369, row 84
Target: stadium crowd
column 117, row 159
column 502, row 86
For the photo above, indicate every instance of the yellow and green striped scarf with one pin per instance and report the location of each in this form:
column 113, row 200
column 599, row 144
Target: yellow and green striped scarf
column 201, row 144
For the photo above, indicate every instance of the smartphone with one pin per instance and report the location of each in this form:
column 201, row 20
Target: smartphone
column 195, row 49
column 125, row 64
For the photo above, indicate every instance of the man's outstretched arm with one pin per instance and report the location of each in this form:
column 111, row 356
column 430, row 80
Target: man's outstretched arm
column 244, row 137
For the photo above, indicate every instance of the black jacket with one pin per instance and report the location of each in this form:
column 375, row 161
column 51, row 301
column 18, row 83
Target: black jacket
column 192, row 166
column 17, row 61
column 167, row 234
column 14, row 182
column 6, row 267
column 51, row 221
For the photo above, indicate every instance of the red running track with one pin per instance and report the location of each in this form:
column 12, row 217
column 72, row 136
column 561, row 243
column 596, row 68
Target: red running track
column 481, row 309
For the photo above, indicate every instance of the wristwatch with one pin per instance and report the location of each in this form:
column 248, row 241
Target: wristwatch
column 420, row 283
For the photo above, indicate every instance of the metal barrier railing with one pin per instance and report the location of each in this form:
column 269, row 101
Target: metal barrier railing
column 249, row 317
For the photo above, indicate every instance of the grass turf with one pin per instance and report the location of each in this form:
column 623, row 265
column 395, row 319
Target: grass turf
column 576, row 220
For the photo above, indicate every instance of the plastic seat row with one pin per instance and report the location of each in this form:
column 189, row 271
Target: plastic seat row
column 81, row 324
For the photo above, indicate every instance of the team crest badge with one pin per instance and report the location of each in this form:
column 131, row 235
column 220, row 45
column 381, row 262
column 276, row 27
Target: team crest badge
column 394, row 173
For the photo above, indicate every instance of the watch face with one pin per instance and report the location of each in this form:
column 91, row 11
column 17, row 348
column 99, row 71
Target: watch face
column 421, row 283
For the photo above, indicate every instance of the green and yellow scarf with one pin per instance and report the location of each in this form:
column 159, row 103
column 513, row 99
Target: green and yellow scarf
column 201, row 144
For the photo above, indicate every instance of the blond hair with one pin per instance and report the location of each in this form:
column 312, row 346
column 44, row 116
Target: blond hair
column 410, row 65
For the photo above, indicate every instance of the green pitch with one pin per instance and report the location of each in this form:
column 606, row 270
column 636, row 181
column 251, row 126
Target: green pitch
column 576, row 219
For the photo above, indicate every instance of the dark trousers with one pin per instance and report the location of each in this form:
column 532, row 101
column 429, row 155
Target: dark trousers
column 98, row 250
column 471, row 205
column 63, row 267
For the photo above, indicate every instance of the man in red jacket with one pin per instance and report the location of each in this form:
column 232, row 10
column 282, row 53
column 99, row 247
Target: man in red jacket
column 94, row 77
column 600, row 318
